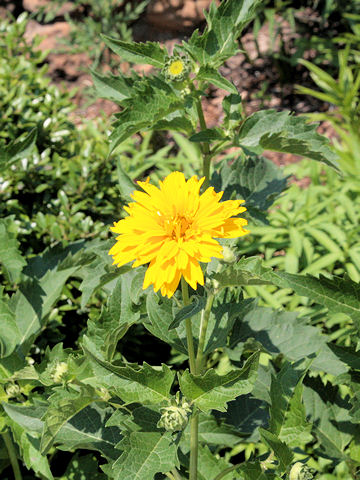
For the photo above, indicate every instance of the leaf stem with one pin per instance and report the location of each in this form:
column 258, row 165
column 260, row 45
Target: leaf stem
column 205, row 315
column 12, row 455
column 194, row 442
column 176, row 474
column 226, row 471
column 205, row 145
column 189, row 334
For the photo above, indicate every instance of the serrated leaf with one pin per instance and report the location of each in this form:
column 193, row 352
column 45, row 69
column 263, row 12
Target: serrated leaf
column 211, row 75
column 132, row 383
column 144, row 455
column 10, row 256
column 208, row 135
column 256, row 180
column 209, row 466
column 83, row 467
column 281, row 450
column 212, row 391
column 150, row 53
column 232, row 106
column 255, row 471
column 247, row 271
column 282, row 132
column 153, row 100
column 111, row 87
column 64, row 404
column 126, row 185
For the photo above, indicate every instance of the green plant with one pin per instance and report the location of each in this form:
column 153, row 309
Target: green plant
column 343, row 94
column 108, row 17
column 265, row 382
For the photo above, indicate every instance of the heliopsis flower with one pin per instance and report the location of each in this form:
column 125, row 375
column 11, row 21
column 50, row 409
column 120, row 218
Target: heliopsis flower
column 173, row 228
column 176, row 68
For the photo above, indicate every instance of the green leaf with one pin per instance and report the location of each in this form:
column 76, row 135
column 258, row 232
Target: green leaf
column 29, row 446
column 232, row 106
column 17, row 150
column 209, row 466
column 208, row 135
column 284, row 332
column 10, row 256
column 161, row 316
column 224, row 25
column 153, row 100
column 211, row 75
column 282, row 132
column 329, row 414
column 247, row 271
column 114, row 88
column 197, row 304
column 213, row 391
column 287, row 413
column 10, row 334
column 150, row 53
column 83, row 467
column 126, row 185
column 131, row 382
column 281, row 450
column 64, row 404
column 255, row 471
column 144, row 455
column 256, row 180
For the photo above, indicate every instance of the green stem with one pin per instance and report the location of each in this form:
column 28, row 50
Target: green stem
column 194, row 441
column 189, row 335
column 226, row 471
column 176, row 474
column 205, row 315
column 205, row 146
column 12, row 455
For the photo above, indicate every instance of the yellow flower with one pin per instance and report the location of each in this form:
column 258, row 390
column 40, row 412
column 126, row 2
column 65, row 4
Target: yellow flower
column 173, row 228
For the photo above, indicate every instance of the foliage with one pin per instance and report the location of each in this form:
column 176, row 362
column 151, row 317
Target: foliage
column 108, row 18
column 268, row 389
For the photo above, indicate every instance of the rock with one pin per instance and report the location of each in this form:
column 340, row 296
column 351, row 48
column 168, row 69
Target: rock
column 48, row 5
column 176, row 15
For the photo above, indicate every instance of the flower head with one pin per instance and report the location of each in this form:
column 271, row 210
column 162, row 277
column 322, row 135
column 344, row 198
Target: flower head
column 176, row 68
column 173, row 228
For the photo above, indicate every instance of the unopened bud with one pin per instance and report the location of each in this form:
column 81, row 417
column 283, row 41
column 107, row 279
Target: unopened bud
column 175, row 417
column 300, row 471
column 229, row 255
column 59, row 372
column 12, row 390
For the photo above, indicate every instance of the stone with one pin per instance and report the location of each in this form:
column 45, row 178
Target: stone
column 48, row 5
column 50, row 34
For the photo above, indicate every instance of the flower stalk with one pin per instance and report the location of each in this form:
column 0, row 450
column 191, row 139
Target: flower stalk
column 12, row 455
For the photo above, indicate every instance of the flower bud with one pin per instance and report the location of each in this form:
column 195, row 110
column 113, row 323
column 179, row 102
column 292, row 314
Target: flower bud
column 12, row 390
column 229, row 255
column 300, row 471
column 59, row 372
column 174, row 417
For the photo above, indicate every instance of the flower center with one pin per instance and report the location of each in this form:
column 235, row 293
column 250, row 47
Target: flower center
column 176, row 67
column 176, row 227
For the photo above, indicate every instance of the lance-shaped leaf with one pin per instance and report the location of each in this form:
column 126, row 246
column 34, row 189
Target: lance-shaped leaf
column 144, row 455
column 111, row 87
column 280, row 449
column 282, row 132
column 17, row 150
column 10, row 334
column 64, row 404
column 131, row 382
column 211, row 75
column 10, row 256
column 150, row 53
column 212, row 391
